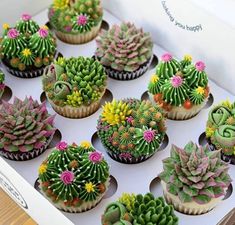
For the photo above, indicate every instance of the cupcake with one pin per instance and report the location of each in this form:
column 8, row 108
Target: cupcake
column 180, row 88
column 75, row 86
column 139, row 210
column 2, row 85
column 131, row 130
column 125, row 51
column 76, row 21
column 26, row 49
column 194, row 179
column 220, row 130
column 26, row 129
column 74, row 178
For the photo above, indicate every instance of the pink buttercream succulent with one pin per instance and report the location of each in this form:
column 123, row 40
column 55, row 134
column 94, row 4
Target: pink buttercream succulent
column 96, row 157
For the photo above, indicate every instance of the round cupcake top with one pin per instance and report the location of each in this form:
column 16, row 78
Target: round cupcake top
column 131, row 128
column 27, row 45
column 74, row 81
column 124, row 47
column 179, row 83
column 74, row 174
column 24, row 125
column 220, row 127
column 195, row 173
column 75, row 16
column 139, row 209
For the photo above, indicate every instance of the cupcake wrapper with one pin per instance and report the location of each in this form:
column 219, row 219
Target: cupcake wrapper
column 24, row 156
column 122, row 75
column 79, row 38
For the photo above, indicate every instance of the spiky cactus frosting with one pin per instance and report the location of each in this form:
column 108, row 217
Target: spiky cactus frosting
column 195, row 175
column 179, row 85
column 27, row 46
column 220, row 127
column 74, row 177
column 131, row 130
column 139, row 209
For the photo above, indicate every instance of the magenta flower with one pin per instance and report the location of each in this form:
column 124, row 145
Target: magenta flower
column 13, row 33
column 200, row 66
column 176, row 81
column 82, row 20
column 43, row 32
column 96, row 157
column 26, row 17
column 125, row 155
column 166, row 57
column 68, row 28
column 67, row 177
column 2, row 86
column 62, row 146
column 149, row 135
column 129, row 119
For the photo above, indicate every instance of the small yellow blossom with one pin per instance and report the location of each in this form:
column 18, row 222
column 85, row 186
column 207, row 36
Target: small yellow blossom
column 90, row 187
column 45, row 27
column 26, row 52
column 188, row 58
column 210, row 131
column 85, row 144
column 5, row 26
column 42, row 168
column 154, row 78
column 227, row 104
column 60, row 4
column 200, row 91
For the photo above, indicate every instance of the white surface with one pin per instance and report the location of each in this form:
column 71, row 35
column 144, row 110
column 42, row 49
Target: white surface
column 130, row 178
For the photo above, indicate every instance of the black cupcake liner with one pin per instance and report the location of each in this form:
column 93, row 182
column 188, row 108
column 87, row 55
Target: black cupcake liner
column 24, row 156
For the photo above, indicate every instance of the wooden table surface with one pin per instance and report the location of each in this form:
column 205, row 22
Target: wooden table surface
column 11, row 213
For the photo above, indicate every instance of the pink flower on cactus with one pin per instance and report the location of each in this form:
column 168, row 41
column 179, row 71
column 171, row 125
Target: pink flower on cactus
column 62, row 146
column 166, row 57
column 2, row 86
column 43, row 32
column 67, row 177
column 26, row 17
column 82, row 20
column 149, row 135
column 96, row 157
column 13, row 33
column 129, row 119
column 200, row 66
column 51, row 12
column 176, row 81
column 68, row 28
column 125, row 155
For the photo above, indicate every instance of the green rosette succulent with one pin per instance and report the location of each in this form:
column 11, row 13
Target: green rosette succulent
column 124, row 47
column 75, row 81
column 72, row 175
column 146, row 209
column 195, row 174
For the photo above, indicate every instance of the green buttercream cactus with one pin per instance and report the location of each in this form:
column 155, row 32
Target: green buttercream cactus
column 131, row 130
column 139, row 210
column 194, row 179
column 220, row 129
column 2, row 85
column 27, row 48
column 73, row 177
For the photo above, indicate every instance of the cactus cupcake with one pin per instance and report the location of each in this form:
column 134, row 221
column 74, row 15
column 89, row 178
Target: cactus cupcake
column 2, row 85
column 180, row 88
column 139, row 209
column 125, row 51
column 26, row 129
column 194, row 179
column 76, row 21
column 131, row 130
column 74, row 178
column 75, row 86
column 26, row 49
column 220, row 130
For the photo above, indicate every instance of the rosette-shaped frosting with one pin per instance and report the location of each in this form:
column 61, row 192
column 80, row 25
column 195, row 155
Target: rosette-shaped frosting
column 195, row 174
column 26, row 25
column 75, row 81
column 124, row 47
column 131, row 128
column 24, row 125
column 220, row 128
column 146, row 209
column 74, row 174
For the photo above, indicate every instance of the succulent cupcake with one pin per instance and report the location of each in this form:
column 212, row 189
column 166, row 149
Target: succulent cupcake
column 76, row 21
column 74, row 178
column 131, row 130
column 26, row 129
column 139, row 209
column 220, row 130
column 125, row 51
column 26, row 49
column 2, row 85
column 180, row 88
column 75, row 86
column 194, row 179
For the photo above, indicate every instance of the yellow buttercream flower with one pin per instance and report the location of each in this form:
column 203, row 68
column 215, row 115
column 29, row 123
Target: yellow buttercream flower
column 5, row 26
column 227, row 104
column 200, row 91
column 210, row 131
column 128, row 200
column 234, row 150
column 45, row 27
column 42, row 168
column 85, row 144
column 60, row 4
column 26, row 52
column 154, row 78
column 188, row 57
column 90, row 187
